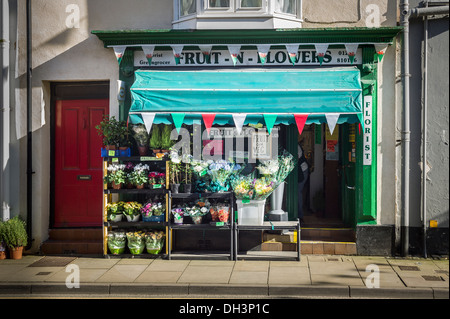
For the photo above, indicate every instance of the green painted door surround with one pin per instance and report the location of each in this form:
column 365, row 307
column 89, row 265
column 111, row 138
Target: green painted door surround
column 365, row 176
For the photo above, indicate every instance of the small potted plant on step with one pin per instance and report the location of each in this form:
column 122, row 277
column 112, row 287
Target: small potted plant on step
column 141, row 137
column 15, row 236
column 108, row 129
column 155, row 139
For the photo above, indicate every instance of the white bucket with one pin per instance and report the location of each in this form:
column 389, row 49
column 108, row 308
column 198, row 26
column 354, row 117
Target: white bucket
column 251, row 213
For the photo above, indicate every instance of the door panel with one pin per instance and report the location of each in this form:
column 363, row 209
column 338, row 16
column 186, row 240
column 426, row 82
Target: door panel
column 78, row 164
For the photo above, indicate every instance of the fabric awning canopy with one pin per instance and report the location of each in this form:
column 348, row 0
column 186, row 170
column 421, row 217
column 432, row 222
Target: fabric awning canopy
column 316, row 92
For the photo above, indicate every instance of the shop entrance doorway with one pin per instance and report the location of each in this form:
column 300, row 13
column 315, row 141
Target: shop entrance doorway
column 329, row 195
column 77, row 162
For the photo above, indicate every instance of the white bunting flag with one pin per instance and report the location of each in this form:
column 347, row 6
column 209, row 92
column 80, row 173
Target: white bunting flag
column 239, row 119
column 177, row 49
column 119, row 51
column 332, row 119
column 351, row 50
column 148, row 51
column 234, row 51
column 292, row 50
column 148, row 120
column 381, row 48
column 206, row 50
column 321, row 49
column 263, row 49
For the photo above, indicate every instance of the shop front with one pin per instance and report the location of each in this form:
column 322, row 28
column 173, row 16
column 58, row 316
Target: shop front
column 247, row 96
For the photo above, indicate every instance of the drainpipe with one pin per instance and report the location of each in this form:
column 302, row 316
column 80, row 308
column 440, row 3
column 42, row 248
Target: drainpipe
column 424, row 132
column 29, row 127
column 4, row 111
column 404, row 9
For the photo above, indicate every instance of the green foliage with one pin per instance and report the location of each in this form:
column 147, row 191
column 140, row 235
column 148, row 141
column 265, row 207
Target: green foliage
column 155, row 138
column 140, row 134
column 114, row 132
column 14, row 233
column 166, row 142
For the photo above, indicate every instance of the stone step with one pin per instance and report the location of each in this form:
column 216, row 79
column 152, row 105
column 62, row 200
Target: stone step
column 313, row 247
column 75, row 234
column 328, row 234
column 72, row 247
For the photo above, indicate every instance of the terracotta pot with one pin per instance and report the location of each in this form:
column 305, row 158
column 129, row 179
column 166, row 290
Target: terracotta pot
column 2, row 255
column 140, row 186
column 16, row 252
column 143, row 150
column 116, row 186
column 110, row 147
column 156, row 150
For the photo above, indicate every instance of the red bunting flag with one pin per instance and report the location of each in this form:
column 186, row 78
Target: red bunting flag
column 208, row 119
column 300, row 119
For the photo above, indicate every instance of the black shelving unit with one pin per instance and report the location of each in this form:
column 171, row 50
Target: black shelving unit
column 107, row 197
column 204, row 226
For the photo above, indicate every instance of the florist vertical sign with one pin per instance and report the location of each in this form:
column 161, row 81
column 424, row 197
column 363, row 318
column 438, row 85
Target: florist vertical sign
column 367, row 150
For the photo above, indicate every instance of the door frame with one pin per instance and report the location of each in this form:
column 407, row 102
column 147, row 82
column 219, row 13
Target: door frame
column 69, row 91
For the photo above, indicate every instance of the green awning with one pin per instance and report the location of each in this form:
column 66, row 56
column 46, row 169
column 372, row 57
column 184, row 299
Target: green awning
column 255, row 92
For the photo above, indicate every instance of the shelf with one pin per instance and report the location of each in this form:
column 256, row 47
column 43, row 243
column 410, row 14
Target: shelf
column 136, row 158
column 161, row 191
column 134, row 224
column 200, row 227
column 141, row 256
column 200, row 254
column 292, row 225
column 201, row 195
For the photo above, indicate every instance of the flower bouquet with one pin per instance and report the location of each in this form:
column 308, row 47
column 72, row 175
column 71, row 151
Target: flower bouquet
column 116, row 242
column 154, row 242
column 220, row 213
column 114, row 211
column 153, row 212
column 277, row 170
column 196, row 213
column 220, row 172
column 136, row 242
column 132, row 210
column 178, row 214
column 138, row 176
column 116, row 175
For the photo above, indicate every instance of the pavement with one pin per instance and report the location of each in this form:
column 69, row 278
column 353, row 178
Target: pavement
column 314, row 276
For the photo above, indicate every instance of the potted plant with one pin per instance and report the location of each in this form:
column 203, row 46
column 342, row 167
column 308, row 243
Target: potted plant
column 153, row 212
column 141, row 137
column 117, row 242
column 2, row 243
column 154, row 242
column 136, row 242
column 175, row 171
column 187, row 172
column 132, row 211
column 116, row 175
column 138, row 177
column 155, row 139
column 15, row 236
column 166, row 141
column 108, row 129
column 196, row 213
column 178, row 214
column 114, row 211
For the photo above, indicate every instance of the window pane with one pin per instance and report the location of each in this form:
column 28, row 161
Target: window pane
column 251, row 3
column 219, row 3
column 187, row 7
column 286, row 6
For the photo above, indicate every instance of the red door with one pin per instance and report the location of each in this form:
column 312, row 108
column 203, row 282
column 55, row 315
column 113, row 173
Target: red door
column 78, row 164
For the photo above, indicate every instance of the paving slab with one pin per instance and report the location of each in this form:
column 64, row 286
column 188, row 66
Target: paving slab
column 122, row 273
column 285, row 275
column 151, row 276
column 249, row 277
column 215, row 274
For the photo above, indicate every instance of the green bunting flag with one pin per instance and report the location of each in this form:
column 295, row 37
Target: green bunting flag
column 177, row 49
column 206, row 51
column 270, row 121
column 263, row 49
column 292, row 51
column 234, row 51
column 178, row 119
column 119, row 52
column 381, row 48
column 321, row 50
column 351, row 49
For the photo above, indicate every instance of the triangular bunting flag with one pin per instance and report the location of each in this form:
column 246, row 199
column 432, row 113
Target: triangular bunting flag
column 177, row 49
column 270, row 121
column 148, row 120
column 239, row 120
column 178, row 119
column 119, row 51
column 332, row 119
column 208, row 119
column 381, row 48
column 234, row 51
column 263, row 49
column 321, row 49
column 351, row 51
column 148, row 51
column 206, row 50
column 300, row 119
column 292, row 50
column 361, row 120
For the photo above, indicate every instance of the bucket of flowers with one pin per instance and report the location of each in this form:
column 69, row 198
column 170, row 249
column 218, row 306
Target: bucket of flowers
column 220, row 172
column 114, row 211
column 136, row 242
column 116, row 175
column 117, row 242
column 132, row 211
column 154, row 242
column 178, row 214
column 139, row 175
